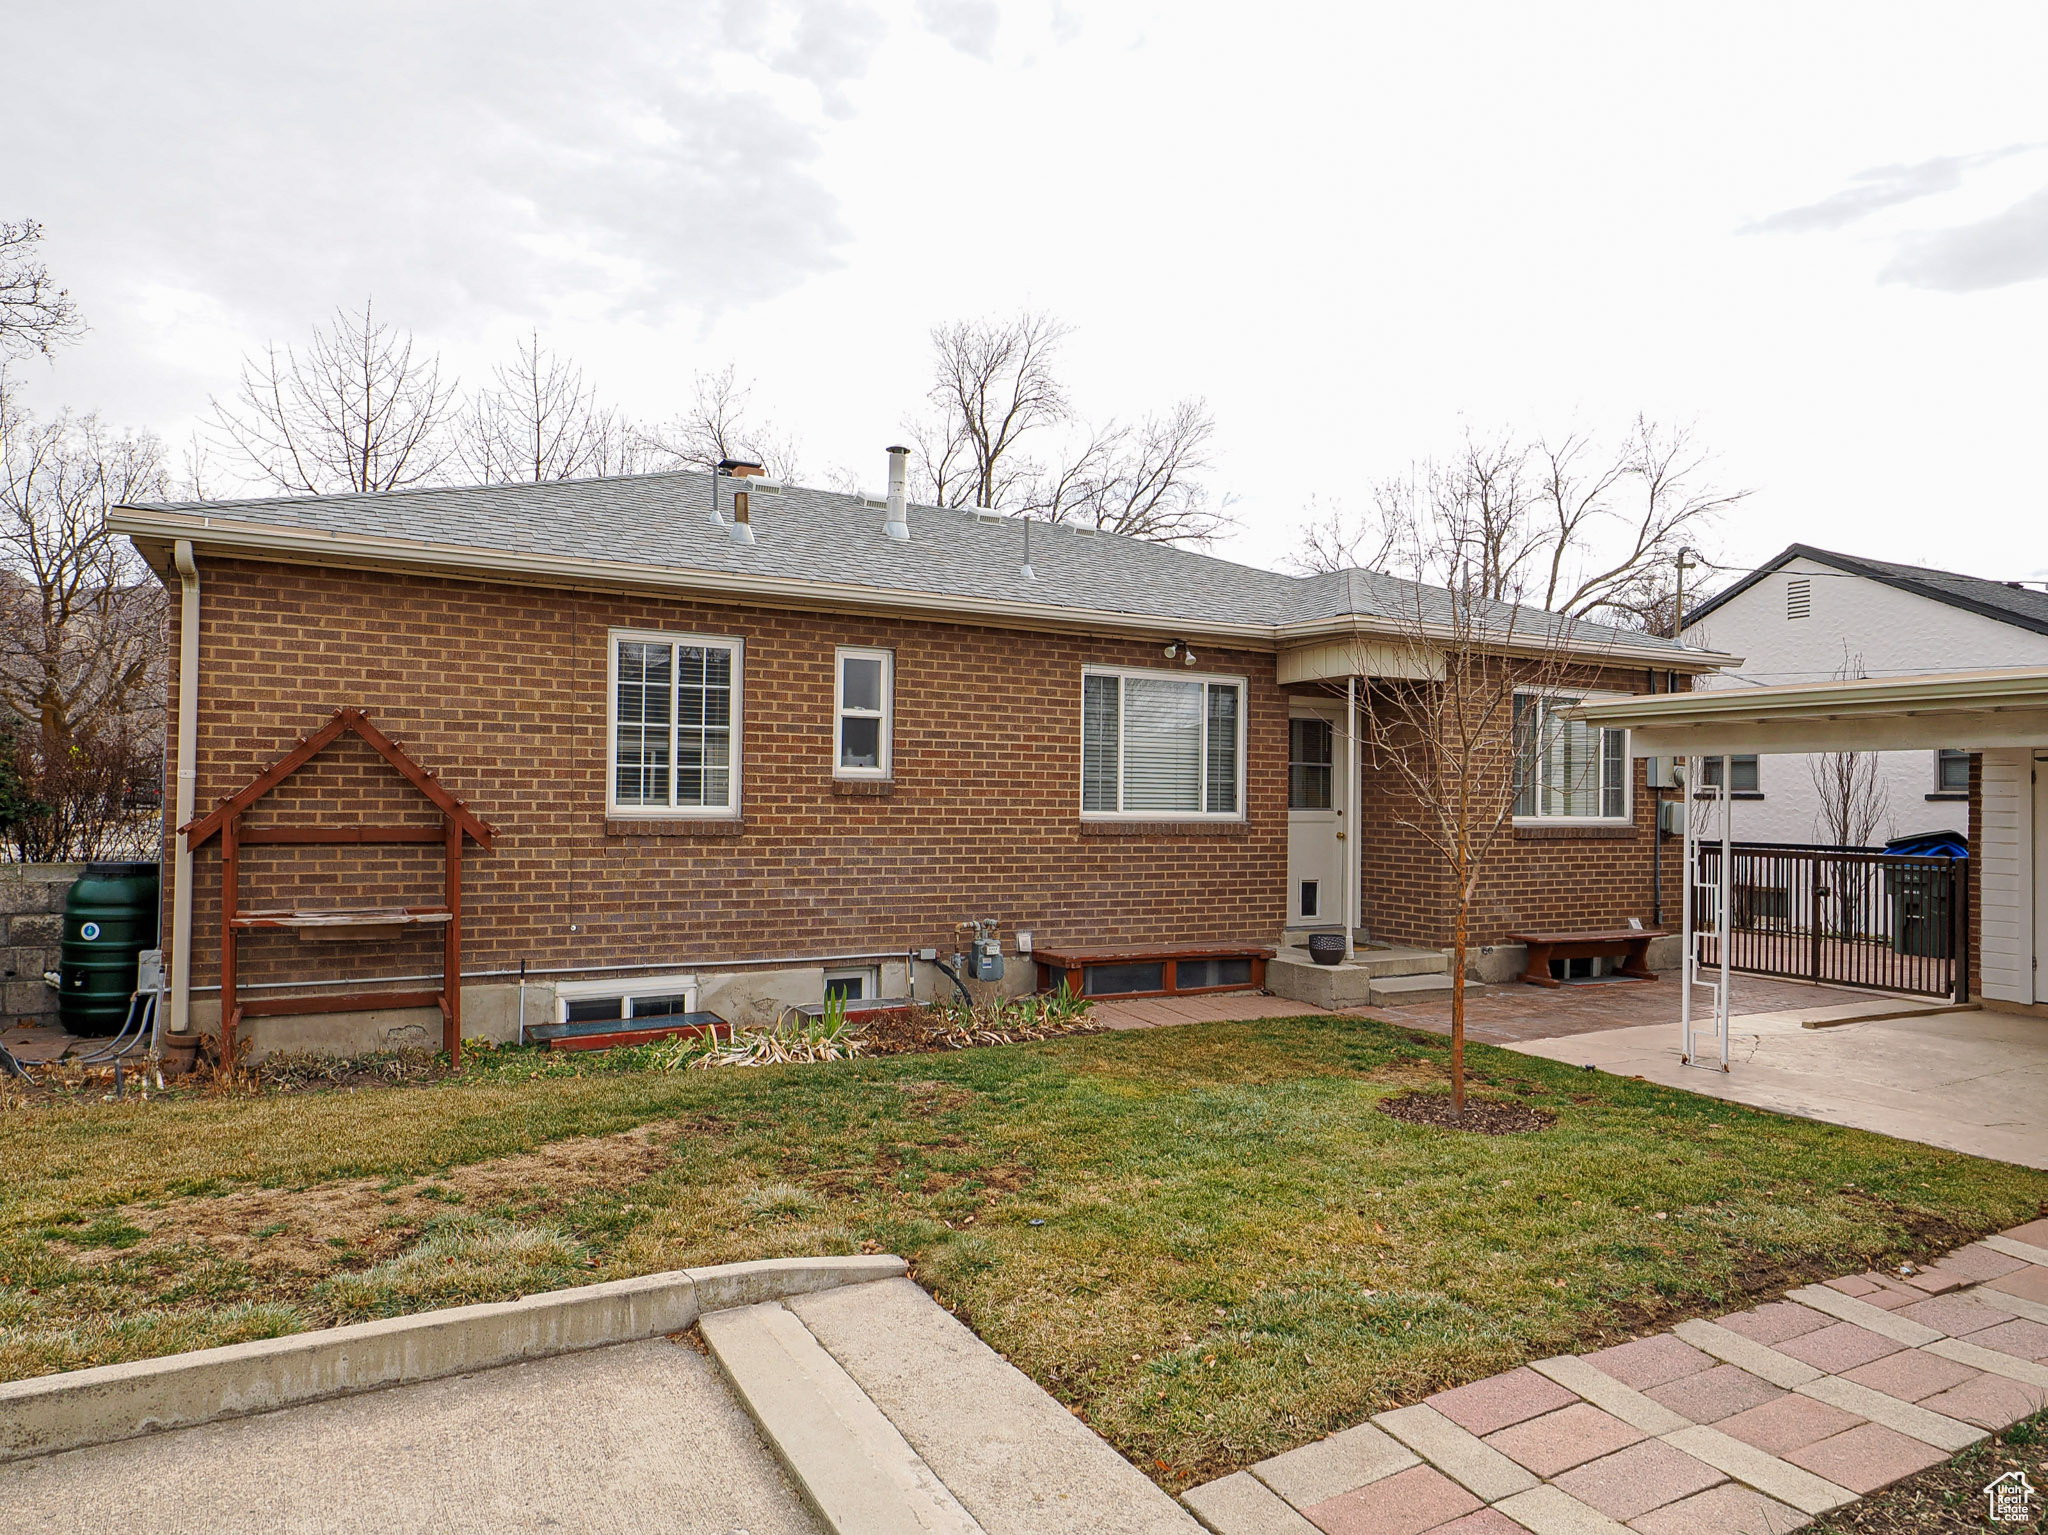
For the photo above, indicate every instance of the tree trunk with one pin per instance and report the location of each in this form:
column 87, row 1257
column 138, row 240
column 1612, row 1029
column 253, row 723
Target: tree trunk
column 1458, row 998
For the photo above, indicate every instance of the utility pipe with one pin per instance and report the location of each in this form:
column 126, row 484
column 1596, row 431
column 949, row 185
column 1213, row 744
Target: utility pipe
column 187, row 788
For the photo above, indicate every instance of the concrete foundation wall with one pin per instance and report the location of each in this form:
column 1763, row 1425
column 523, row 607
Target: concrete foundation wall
column 31, row 922
column 751, row 997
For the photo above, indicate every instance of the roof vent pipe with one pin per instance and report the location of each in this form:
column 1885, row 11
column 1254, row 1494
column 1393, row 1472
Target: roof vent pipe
column 898, row 525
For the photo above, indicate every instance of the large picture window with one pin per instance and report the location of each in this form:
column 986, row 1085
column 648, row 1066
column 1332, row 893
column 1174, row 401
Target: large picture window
column 1566, row 769
column 675, row 719
column 1154, row 745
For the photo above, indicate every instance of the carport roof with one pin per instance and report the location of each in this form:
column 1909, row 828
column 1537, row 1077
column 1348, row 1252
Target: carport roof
column 1961, row 710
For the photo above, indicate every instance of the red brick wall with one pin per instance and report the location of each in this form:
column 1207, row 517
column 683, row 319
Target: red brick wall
column 501, row 690
column 1534, row 877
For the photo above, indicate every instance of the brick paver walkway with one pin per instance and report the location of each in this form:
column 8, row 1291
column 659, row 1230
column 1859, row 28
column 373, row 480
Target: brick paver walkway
column 1750, row 1425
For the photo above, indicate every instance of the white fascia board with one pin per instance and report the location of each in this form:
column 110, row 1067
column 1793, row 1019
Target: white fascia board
column 1400, row 634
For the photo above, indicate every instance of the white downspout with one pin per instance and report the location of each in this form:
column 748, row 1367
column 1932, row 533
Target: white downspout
column 1350, row 832
column 188, row 787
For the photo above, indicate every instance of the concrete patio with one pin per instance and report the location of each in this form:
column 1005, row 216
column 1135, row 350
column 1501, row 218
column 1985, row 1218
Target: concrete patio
column 1974, row 1082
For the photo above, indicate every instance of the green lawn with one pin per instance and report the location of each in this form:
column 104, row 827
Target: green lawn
column 1238, row 1252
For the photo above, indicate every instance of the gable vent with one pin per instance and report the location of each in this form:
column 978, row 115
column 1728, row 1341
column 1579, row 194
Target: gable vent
column 1799, row 598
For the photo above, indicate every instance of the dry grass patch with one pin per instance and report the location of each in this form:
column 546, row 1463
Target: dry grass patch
column 308, row 1230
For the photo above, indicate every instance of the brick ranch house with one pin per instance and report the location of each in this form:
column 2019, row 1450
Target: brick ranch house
column 740, row 744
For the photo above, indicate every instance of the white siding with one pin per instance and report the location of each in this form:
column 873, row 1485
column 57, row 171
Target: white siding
column 1896, row 634
column 2006, row 877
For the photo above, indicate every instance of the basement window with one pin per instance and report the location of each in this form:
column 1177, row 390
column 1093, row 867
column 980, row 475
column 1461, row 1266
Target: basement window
column 658, row 996
column 861, row 984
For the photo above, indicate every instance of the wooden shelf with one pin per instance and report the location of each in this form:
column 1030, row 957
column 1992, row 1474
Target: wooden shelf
column 358, row 916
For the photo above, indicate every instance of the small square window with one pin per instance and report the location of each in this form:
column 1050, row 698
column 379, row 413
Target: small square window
column 861, row 985
column 1952, row 772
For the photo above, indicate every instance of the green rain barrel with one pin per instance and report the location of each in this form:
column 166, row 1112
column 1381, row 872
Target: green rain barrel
column 109, row 918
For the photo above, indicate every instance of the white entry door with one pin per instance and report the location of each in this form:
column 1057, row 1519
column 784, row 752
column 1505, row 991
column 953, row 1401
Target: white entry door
column 1315, row 815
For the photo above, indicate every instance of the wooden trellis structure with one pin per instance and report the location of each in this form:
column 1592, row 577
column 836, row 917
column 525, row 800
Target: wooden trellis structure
column 456, row 823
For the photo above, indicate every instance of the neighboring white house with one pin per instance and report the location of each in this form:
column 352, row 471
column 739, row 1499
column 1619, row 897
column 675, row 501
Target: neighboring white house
column 1810, row 615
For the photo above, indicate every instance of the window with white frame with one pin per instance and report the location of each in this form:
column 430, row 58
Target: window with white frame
column 1951, row 771
column 1566, row 769
column 675, row 724
column 1155, row 745
column 654, row 996
column 863, row 708
column 861, row 983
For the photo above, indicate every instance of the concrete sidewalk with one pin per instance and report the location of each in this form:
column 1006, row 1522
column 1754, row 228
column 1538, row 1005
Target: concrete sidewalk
column 1975, row 1082
column 1750, row 1425
column 638, row 1437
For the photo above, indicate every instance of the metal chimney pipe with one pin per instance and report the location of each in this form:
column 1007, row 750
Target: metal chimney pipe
column 898, row 525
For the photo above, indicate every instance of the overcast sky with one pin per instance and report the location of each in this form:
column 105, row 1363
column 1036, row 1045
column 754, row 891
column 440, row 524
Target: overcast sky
column 1819, row 232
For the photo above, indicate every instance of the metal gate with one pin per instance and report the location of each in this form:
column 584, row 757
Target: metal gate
column 1848, row 916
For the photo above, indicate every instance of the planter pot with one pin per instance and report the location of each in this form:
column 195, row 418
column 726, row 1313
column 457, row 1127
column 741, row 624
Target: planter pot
column 1326, row 948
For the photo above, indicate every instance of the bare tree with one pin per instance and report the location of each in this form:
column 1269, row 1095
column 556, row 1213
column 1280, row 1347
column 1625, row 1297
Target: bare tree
column 1467, row 738
column 539, row 422
column 720, row 426
column 1580, row 528
column 82, row 642
column 994, row 384
column 1854, row 804
column 1143, row 480
column 36, row 316
column 1331, row 541
column 356, row 411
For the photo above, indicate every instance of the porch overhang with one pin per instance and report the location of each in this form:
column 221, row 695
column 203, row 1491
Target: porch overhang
column 1965, row 711
column 1333, row 660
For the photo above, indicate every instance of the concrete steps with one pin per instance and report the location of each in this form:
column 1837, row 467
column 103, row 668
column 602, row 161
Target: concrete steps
column 1399, row 990
column 1376, row 975
column 892, row 1416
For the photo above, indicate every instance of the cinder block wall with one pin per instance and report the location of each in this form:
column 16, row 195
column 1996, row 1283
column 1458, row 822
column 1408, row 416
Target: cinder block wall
column 31, row 919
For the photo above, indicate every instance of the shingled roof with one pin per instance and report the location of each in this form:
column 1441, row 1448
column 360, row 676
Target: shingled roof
column 2023, row 607
column 814, row 541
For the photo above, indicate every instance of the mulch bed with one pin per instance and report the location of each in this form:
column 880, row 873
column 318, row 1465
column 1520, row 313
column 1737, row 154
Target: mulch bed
column 1950, row 1496
column 1482, row 1116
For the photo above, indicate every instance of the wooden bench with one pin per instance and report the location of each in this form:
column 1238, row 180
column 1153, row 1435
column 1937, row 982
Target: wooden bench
column 1081, row 966
column 1630, row 945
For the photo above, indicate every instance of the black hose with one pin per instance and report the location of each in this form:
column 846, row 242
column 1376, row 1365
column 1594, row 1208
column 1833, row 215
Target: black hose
column 958, row 985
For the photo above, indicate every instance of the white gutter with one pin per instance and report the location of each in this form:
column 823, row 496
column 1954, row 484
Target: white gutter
column 337, row 548
column 188, row 786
